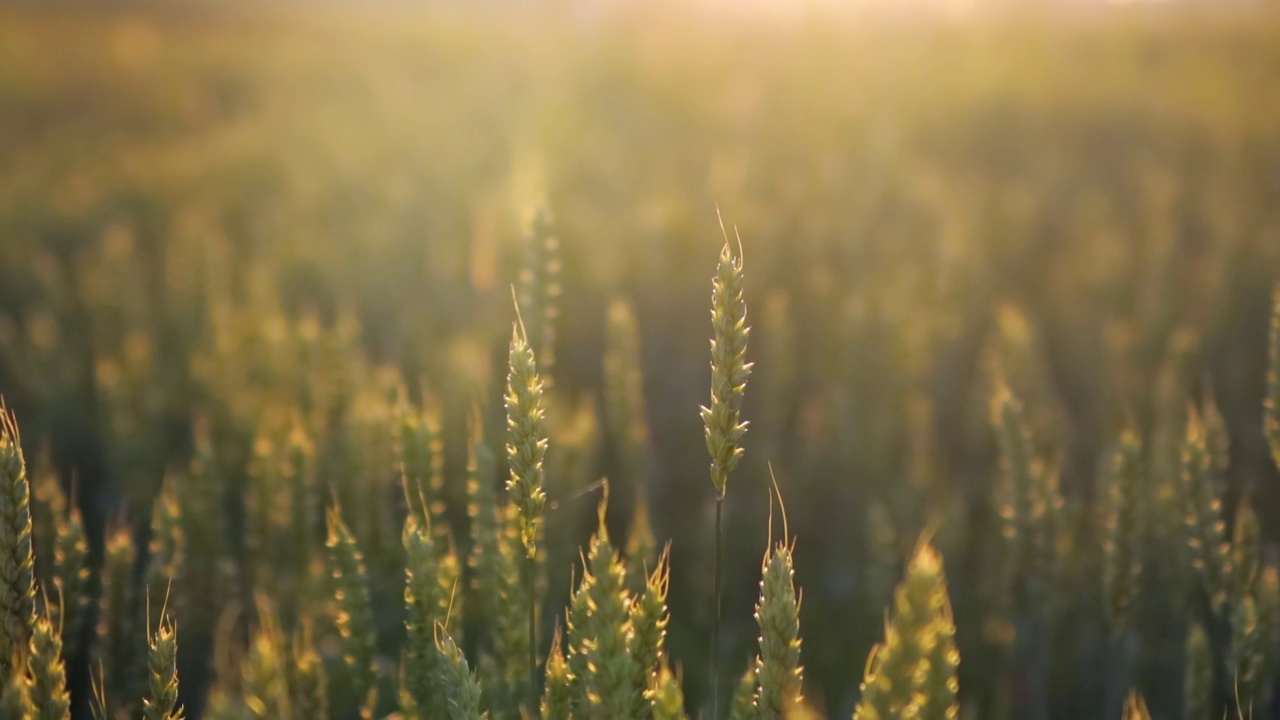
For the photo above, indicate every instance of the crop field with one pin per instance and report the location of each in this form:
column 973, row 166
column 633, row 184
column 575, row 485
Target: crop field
column 638, row 361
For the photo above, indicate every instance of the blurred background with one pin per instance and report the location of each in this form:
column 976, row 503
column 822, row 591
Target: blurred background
column 213, row 213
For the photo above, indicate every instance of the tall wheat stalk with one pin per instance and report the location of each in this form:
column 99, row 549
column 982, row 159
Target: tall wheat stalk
column 526, row 448
column 724, row 428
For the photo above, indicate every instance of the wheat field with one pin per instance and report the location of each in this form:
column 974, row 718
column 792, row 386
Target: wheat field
column 468, row 361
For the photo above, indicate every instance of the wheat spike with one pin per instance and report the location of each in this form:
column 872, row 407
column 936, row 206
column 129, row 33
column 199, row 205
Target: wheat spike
column 1122, row 565
column 49, row 695
column 649, row 625
column 161, row 701
column 17, row 562
column 778, row 667
column 352, row 604
column 308, row 692
column 1197, row 701
column 729, row 369
column 557, row 693
column 430, row 580
column 526, row 440
column 1205, row 530
column 461, row 688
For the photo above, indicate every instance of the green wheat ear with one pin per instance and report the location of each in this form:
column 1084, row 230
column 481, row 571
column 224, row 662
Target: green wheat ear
column 1205, row 529
column 526, row 439
column 1029, row 503
column 1197, row 685
column 1246, row 550
column 665, row 696
column 648, row 613
column 420, row 455
column 430, row 581
column 1247, row 653
column 778, row 667
column 557, row 693
column 161, row 701
column 17, row 562
column 612, row 683
column 354, row 609
column 1123, row 529
column 729, row 369
column 264, row 673
column 742, row 706
column 913, row 672
column 122, row 637
column 48, row 674
column 1271, row 406
column 308, row 693
column 459, row 683
column 164, row 562
column 71, row 580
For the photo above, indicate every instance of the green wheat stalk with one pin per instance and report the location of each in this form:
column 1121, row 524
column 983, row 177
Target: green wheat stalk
column 353, row 607
column 71, row 581
column 430, row 579
column 17, row 562
column 1205, row 530
column 526, row 448
column 724, row 428
column 1123, row 532
column 1197, row 703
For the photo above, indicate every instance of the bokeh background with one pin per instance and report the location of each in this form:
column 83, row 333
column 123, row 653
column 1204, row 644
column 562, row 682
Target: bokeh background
column 212, row 213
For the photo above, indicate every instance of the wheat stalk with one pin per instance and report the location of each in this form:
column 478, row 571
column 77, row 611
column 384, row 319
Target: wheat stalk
column 1122, row 564
column 17, row 562
column 1205, row 530
column 1197, row 685
column 308, row 692
column 353, row 607
column 723, row 427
